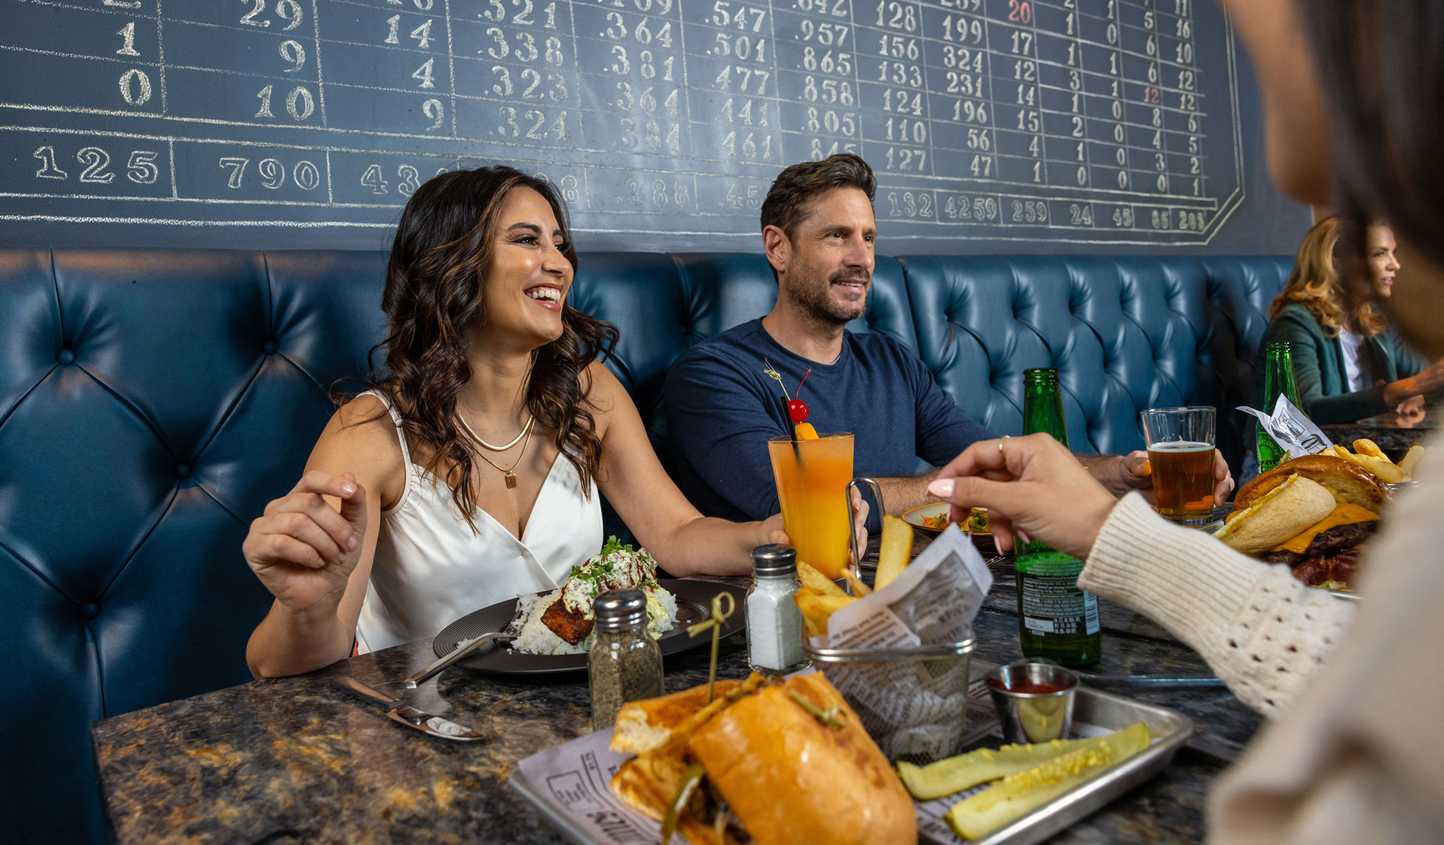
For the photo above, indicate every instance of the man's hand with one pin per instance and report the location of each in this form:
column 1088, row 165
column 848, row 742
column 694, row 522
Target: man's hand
column 1120, row 474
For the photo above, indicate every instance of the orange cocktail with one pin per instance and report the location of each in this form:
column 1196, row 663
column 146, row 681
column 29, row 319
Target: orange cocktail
column 812, row 478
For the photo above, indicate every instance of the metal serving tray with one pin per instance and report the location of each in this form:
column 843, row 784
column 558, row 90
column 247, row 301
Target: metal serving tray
column 568, row 784
column 1094, row 712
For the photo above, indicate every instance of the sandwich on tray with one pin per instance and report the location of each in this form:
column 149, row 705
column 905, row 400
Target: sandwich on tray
column 765, row 761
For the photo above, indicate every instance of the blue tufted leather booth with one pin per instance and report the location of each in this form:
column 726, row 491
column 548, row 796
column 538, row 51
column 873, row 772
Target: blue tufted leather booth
column 152, row 402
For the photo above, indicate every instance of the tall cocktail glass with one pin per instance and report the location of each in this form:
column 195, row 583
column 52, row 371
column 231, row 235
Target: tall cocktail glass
column 812, row 485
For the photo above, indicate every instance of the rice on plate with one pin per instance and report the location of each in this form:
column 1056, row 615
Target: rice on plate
column 616, row 567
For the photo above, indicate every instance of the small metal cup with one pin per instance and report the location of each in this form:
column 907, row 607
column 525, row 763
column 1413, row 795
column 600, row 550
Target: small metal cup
column 1033, row 716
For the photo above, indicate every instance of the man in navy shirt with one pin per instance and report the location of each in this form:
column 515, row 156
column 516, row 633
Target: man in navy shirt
column 722, row 405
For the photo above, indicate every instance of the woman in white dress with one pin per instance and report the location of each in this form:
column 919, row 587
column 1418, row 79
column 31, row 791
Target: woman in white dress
column 470, row 474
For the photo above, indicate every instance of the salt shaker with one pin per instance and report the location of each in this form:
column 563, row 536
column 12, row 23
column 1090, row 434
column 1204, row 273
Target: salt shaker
column 774, row 624
column 624, row 663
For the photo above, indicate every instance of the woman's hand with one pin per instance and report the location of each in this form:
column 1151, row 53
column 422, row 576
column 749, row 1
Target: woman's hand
column 1411, row 412
column 302, row 549
column 1030, row 485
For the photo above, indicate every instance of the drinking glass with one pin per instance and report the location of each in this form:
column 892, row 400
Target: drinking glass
column 812, row 485
column 1180, row 450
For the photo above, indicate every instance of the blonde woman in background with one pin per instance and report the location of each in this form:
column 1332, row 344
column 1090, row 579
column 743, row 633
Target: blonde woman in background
column 1348, row 364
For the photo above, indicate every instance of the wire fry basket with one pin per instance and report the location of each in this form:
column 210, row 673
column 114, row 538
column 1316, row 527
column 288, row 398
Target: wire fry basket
column 912, row 701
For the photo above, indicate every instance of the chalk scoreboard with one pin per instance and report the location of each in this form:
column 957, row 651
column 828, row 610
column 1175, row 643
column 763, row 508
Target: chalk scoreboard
column 1071, row 121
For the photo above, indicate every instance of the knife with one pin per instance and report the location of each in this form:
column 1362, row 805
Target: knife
column 409, row 716
column 1151, row 681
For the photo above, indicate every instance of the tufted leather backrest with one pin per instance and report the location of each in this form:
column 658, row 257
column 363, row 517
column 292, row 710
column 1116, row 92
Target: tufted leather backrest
column 152, row 402
column 1124, row 333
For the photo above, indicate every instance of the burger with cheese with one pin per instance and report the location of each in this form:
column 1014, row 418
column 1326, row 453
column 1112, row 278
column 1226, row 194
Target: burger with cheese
column 764, row 761
column 1311, row 514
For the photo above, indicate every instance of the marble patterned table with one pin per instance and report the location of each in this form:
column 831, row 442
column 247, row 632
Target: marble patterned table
column 301, row 760
column 1391, row 436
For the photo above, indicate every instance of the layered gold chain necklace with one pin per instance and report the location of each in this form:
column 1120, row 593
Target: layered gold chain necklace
column 524, row 436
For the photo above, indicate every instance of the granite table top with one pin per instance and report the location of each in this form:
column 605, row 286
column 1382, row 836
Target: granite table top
column 1392, row 436
column 302, row 760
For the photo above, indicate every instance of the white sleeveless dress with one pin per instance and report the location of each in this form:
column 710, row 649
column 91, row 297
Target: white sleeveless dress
column 430, row 569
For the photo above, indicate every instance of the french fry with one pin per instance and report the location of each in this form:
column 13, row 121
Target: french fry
column 1382, row 468
column 1411, row 460
column 816, row 581
column 894, row 552
column 1365, row 446
column 817, row 608
column 858, row 588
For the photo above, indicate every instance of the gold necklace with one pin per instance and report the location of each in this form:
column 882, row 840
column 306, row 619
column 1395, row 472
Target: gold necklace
column 502, row 448
column 507, row 472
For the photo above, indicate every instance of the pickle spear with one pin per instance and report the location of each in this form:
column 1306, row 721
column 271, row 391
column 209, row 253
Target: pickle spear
column 1019, row 794
column 968, row 770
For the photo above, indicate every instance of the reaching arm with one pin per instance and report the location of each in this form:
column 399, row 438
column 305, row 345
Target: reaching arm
column 1262, row 631
column 313, row 548
column 632, row 479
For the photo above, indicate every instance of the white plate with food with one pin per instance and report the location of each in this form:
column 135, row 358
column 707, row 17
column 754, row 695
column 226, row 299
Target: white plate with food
column 553, row 629
column 933, row 518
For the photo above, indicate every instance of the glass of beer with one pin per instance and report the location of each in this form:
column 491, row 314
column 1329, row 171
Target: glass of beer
column 1180, row 450
column 812, row 485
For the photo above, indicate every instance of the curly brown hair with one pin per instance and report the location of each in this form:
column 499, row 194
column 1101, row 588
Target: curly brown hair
column 1331, row 251
column 434, row 292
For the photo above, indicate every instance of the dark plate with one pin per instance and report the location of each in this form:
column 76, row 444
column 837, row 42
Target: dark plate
column 694, row 599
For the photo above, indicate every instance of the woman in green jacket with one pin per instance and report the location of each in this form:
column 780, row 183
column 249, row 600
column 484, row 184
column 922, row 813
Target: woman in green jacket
column 1347, row 363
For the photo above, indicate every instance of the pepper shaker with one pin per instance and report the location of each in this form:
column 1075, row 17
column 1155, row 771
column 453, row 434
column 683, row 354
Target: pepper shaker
column 774, row 623
column 624, row 663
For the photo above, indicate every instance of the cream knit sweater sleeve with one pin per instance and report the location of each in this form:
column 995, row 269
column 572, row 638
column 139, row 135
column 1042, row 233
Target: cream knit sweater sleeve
column 1261, row 631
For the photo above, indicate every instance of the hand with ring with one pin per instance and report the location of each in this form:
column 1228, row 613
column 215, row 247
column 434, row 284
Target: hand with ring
column 1031, row 485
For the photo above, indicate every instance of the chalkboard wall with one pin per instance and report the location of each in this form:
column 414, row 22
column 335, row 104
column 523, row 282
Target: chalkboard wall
column 994, row 125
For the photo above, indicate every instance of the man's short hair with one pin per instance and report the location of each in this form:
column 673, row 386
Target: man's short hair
column 796, row 186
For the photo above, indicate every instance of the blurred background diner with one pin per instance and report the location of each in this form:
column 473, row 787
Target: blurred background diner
column 342, row 335
column 1348, row 363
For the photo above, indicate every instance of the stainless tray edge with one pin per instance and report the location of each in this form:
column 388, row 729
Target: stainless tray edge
column 1094, row 794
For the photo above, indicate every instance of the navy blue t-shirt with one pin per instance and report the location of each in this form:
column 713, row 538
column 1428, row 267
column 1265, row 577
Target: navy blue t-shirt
column 721, row 409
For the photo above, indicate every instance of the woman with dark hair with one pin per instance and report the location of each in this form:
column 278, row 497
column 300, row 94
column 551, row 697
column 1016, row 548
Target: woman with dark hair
column 1354, row 752
column 470, row 473
column 1347, row 364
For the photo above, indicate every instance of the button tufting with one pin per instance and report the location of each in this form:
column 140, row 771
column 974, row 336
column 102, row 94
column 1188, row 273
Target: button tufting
column 66, row 357
column 182, row 470
column 269, row 347
column 89, row 610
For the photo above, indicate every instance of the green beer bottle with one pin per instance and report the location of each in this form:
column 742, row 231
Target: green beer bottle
column 1278, row 379
column 1056, row 620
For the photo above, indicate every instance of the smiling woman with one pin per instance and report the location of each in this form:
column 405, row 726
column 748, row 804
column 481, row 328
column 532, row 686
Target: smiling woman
column 468, row 474
column 1348, row 364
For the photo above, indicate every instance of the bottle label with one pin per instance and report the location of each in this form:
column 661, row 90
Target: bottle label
column 1053, row 604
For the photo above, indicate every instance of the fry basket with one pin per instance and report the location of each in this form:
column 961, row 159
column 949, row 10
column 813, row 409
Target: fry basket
column 912, row 701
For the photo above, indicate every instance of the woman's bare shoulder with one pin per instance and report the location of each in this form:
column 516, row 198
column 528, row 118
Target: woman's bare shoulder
column 360, row 438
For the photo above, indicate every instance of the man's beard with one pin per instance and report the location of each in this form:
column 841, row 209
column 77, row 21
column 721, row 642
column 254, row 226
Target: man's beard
column 816, row 302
